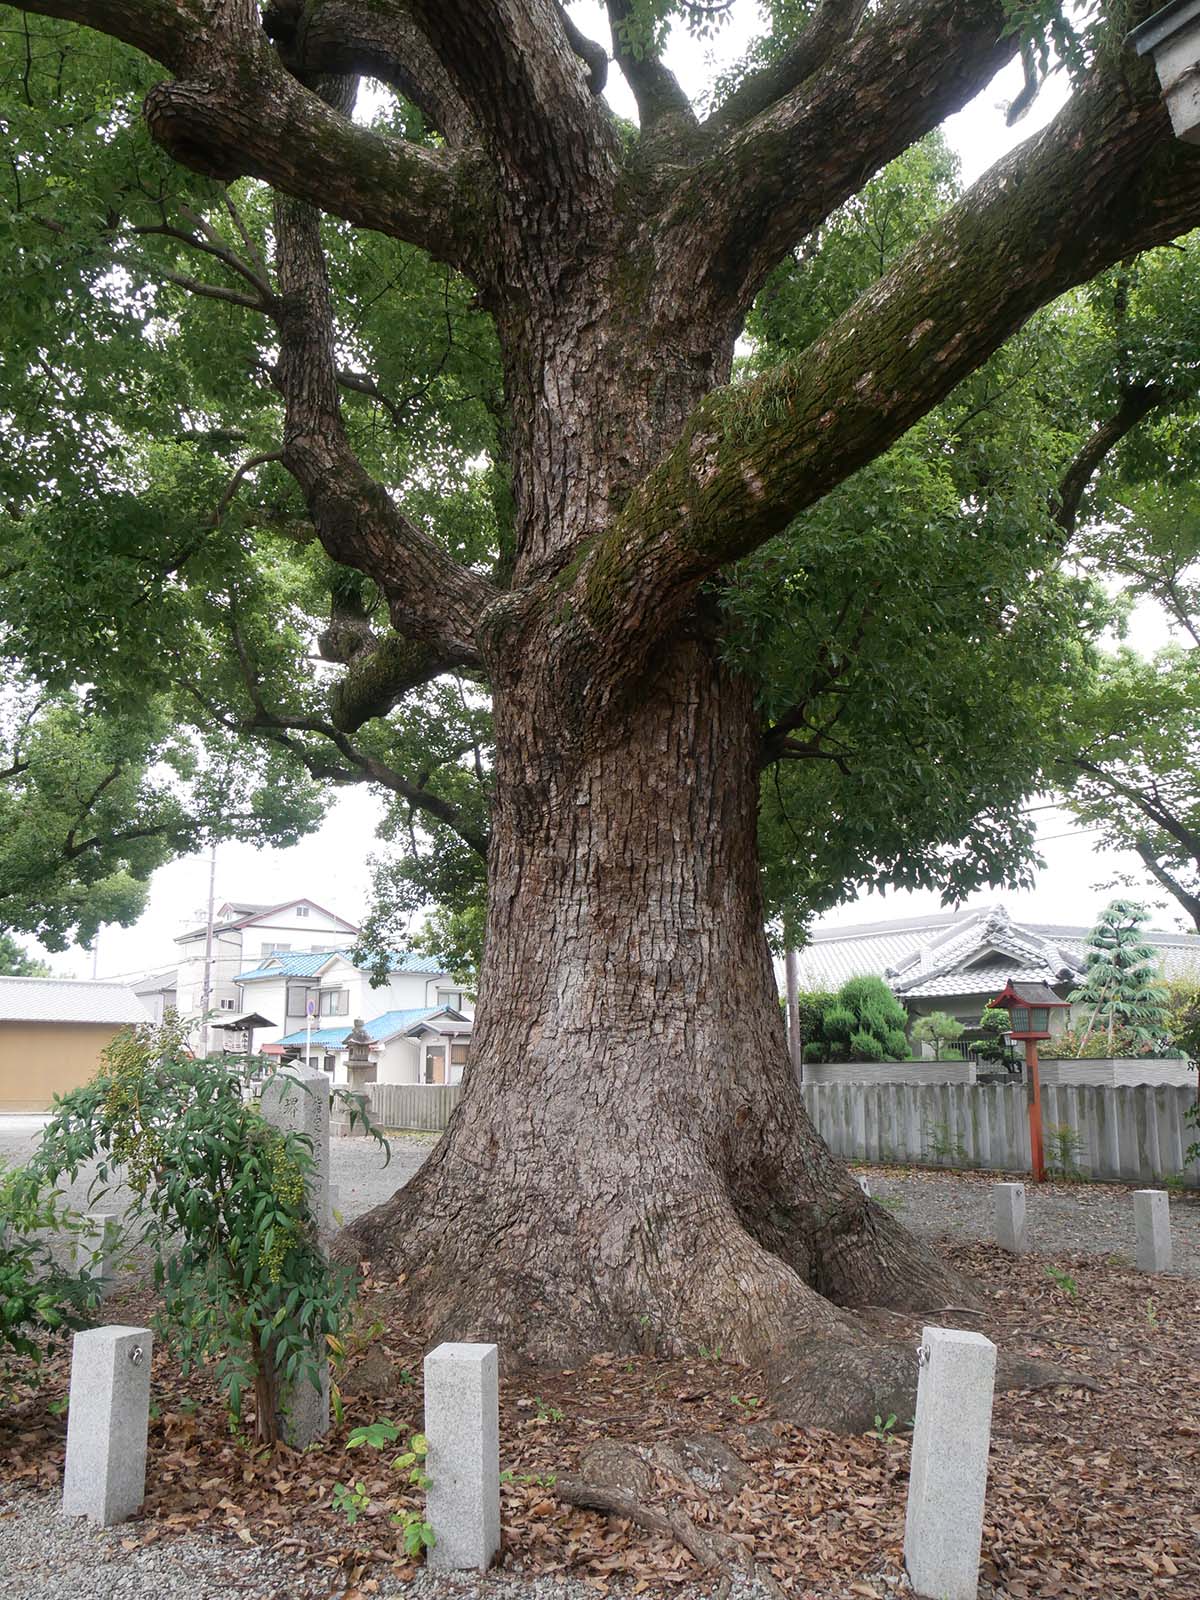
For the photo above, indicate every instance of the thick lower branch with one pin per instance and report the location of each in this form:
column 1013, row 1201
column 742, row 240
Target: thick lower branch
column 432, row 599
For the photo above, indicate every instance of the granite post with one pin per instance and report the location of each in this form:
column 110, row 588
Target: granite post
column 296, row 1100
column 462, row 1424
column 1008, row 1217
column 109, row 1412
column 943, row 1526
column 1152, row 1228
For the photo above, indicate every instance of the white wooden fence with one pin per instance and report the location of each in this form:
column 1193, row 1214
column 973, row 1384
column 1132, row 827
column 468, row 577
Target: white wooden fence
column 419, row 1107
column 1124, row 1135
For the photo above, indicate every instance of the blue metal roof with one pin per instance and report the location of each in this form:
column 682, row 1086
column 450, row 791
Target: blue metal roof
column 378, row 1031
column 302, row 964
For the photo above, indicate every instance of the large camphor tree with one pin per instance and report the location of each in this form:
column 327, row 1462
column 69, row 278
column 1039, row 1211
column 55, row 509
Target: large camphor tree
column 631, row 1162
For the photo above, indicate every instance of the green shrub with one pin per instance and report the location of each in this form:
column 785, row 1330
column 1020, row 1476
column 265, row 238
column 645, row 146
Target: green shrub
column 218, row 1196
column 865, row 1022
column 1120, row 987
column 938, row 1029
column 39, row 1299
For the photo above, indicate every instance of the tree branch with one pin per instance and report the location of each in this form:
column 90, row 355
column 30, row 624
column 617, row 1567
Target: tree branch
column 1136, row 403
column 1104, row 181
column 832, row 25
column 770, row 181
column 514, row 63
column 1189, row 901
column 655, row 87
column 234, row 110
column 376, row 40
column 432, row 599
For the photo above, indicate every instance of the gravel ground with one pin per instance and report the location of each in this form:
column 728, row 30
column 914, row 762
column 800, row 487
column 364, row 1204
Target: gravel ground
column 43, row 1556
column 1065, row 1219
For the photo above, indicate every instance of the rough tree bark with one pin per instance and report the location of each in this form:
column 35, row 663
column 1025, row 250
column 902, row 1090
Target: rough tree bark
column 631, row 1165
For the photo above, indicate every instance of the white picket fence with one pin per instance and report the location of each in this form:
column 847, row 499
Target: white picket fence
column 1124, row 1135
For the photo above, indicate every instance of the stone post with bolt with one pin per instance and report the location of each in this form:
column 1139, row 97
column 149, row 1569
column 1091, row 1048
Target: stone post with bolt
column 943, row 1526
column 107, row 1419
column 1008, row 1217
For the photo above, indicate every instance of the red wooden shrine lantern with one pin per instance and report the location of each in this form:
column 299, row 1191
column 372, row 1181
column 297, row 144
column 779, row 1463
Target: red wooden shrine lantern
column 1029, row 1006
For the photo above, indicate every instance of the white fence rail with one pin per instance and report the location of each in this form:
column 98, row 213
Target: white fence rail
column 1124, row 1135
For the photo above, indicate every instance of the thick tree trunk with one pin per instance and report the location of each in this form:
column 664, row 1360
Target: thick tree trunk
column 631, row 1167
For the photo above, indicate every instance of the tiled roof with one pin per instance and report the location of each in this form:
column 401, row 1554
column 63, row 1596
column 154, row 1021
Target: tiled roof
column 378, row 1031
column 298, row 964
column 68, row 1000
column 835, row 953
column 290, row 964
column 987, row 979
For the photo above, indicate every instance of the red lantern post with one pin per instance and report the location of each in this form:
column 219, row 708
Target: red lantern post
column 1029, row 1005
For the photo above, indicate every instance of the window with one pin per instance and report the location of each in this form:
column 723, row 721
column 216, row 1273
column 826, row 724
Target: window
column 302, row 911
column 275, row 949
column 297, row 1000
column 228, row 1005
column 450, row 997
column 335, row 1002
column 328, row 1064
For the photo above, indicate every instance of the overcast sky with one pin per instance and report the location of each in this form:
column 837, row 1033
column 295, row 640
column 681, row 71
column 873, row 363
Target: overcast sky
column 331, row 865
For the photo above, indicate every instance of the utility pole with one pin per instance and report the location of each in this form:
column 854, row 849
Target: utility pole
column 206, row 992
column 795, row 1043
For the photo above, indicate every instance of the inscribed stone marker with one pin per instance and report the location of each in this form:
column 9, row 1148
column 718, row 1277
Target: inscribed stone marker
column 296, row 1100
column 462, row 1424
column 947, row 1480
column 1008, row 1214
column 1152, row 1227
column 105, row 1474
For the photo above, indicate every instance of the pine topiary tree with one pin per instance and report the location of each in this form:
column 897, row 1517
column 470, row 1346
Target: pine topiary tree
column 938, row 1029
column 865, row 1023
column 1120, row 981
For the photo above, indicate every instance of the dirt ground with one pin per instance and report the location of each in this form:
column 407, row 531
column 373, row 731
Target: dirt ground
column 1092, row 1488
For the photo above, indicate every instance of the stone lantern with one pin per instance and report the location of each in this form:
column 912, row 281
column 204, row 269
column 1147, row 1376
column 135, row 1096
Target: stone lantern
column 1172, row 37
column 360, row 1069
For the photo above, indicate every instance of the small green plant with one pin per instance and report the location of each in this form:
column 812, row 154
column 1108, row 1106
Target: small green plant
column 545, row 1413
column 942, row 1146
column 1064, row 1280
column 890, row 1202
column 884, row 1428
column 710, row 1352
column 536, row 1480
column 1064, row 1144
column 416, row 1534
column 1151, row 1314
column 351, row 1499
column 747, row 1402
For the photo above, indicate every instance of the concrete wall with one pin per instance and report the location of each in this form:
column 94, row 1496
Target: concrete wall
column 1134, row 1135
column 425, row 1107
column 889, row 1072
column 41, row 1059
column 1122, row 1073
